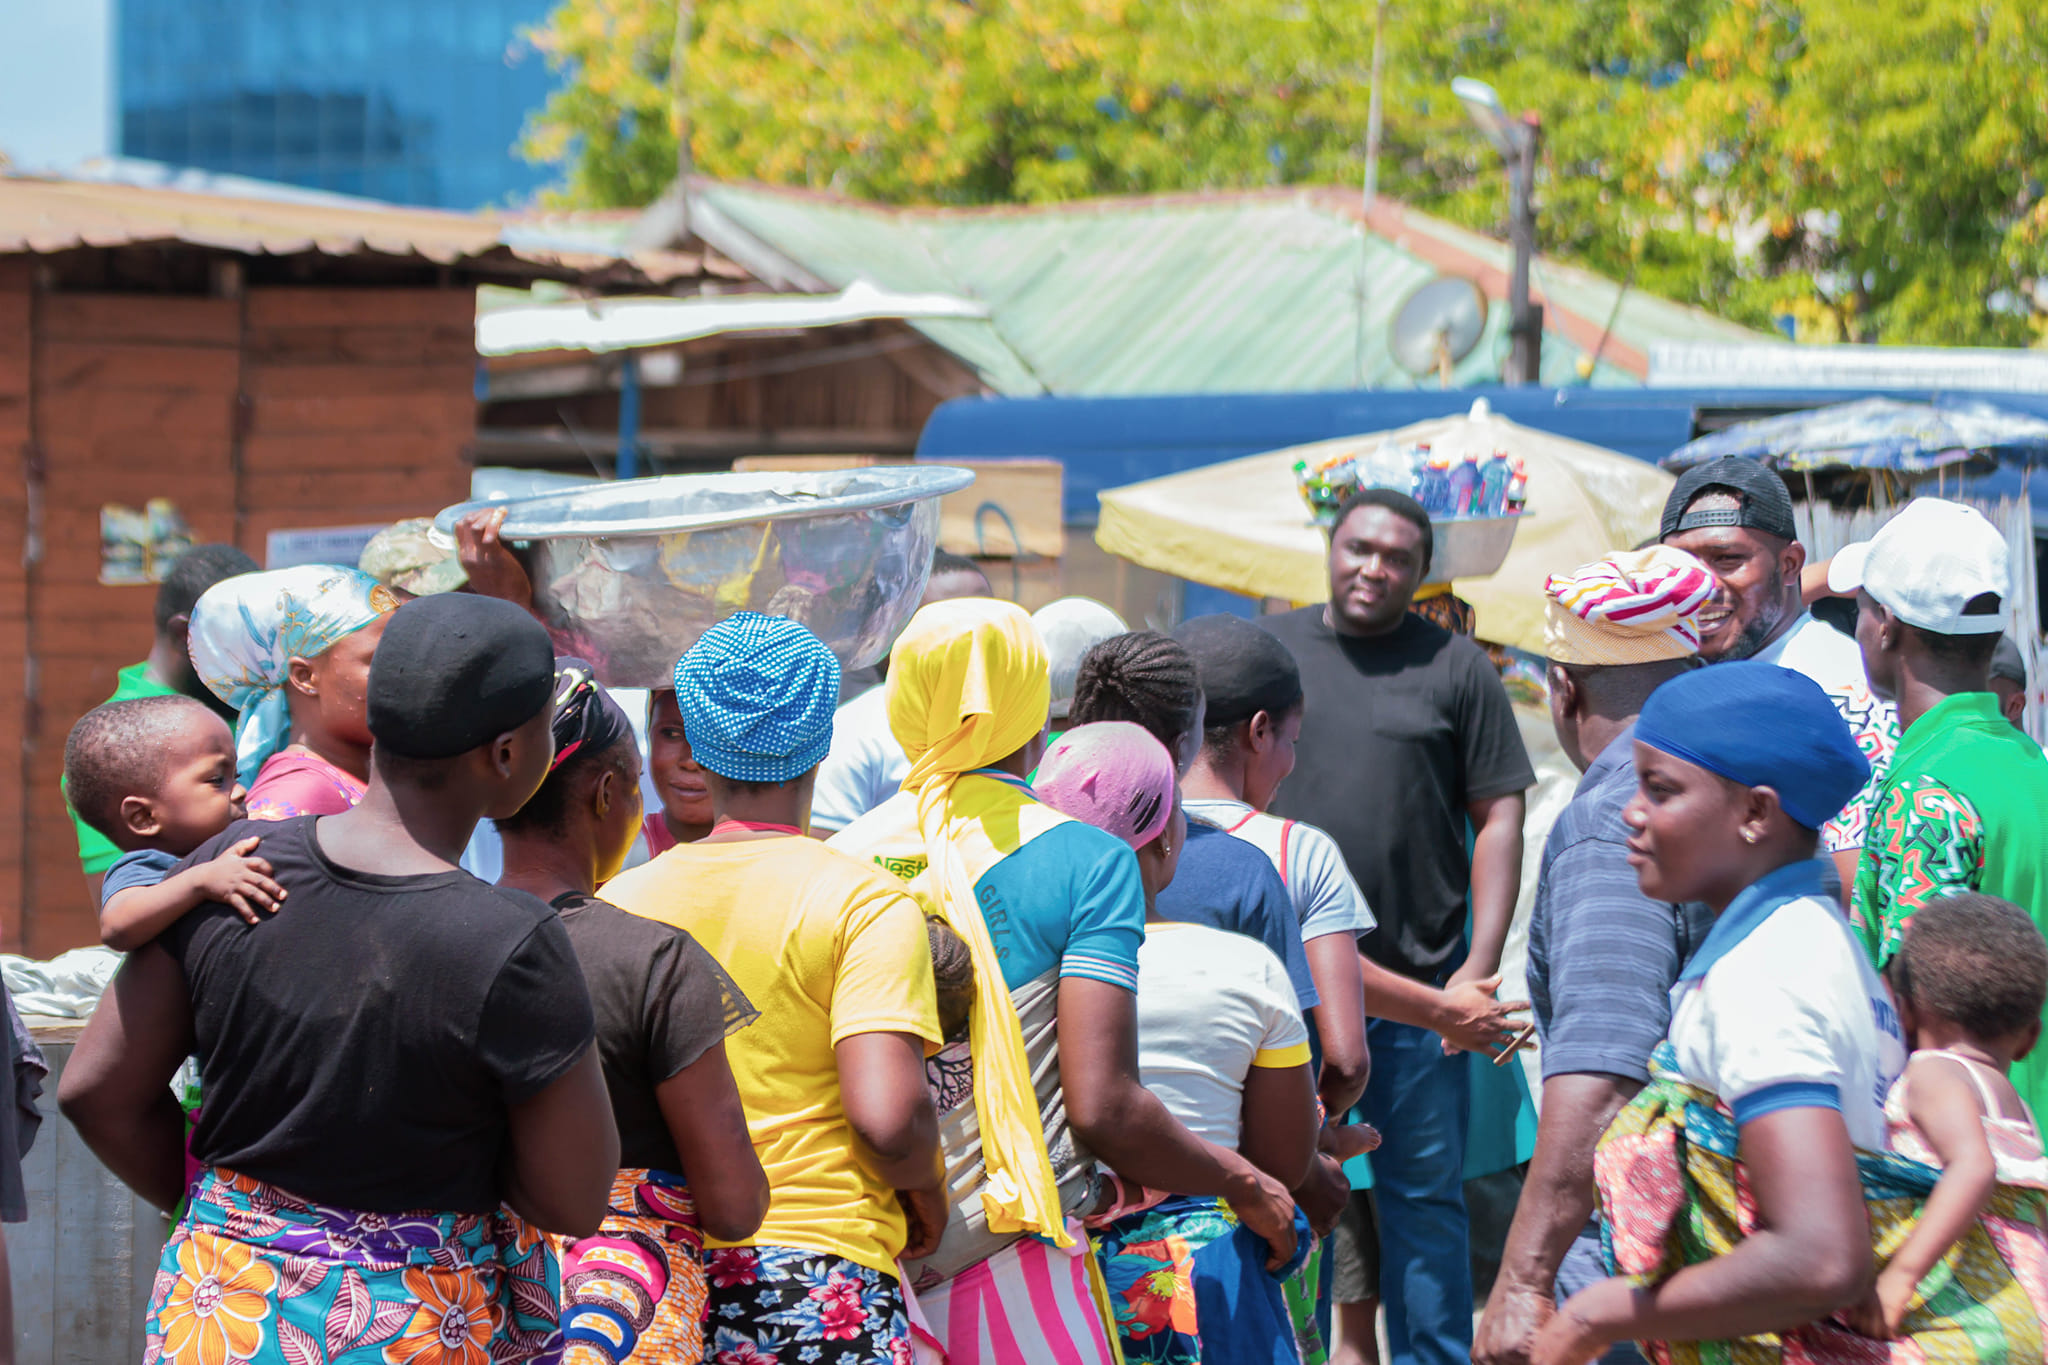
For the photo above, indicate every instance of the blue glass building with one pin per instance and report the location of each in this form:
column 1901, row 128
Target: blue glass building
column 412, row 101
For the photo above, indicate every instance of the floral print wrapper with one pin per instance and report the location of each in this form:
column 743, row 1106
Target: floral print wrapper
column 253, row 1274
column 636, row 1289
column 1189, row 1284
column 774, row 1305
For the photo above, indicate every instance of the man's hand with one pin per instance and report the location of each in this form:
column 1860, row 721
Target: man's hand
column 1267, row 1209
column 239, row 879
column 1472, row 1020
column 926, row 1211
column 1324, row 1194
column 492, row 570
column 1514, row 1314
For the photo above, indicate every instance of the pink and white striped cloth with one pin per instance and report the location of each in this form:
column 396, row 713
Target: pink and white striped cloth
column 1030, row 1301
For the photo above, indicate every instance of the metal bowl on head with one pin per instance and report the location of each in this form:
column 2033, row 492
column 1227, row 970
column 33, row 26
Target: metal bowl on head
column 628, row 575
column 1470, row 547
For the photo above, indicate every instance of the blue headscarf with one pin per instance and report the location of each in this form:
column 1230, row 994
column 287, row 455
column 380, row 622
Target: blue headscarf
column 757, row 695
column 246, row 631
column 1762, row 726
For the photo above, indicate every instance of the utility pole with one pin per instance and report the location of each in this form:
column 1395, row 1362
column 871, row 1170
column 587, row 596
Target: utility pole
column 679, row 88
column 1372, row 108
column 1517, row 141
column 1525, row 320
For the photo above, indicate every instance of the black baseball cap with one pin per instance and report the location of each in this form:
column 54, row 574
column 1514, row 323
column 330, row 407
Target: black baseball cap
column 1765, row 505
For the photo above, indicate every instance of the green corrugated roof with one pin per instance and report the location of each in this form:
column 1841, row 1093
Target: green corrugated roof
column 1229, row 292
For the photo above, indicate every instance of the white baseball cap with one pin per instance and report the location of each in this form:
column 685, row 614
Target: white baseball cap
column 1929, row 565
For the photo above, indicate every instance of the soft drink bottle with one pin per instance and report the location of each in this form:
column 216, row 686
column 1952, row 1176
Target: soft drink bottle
column 1493, row 486
column 1433, row 486
column 1464, row 486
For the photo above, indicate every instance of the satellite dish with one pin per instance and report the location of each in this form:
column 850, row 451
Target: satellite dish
column 1438, row 326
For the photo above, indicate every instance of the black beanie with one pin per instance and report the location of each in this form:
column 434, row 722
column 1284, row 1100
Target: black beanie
column 454, row 671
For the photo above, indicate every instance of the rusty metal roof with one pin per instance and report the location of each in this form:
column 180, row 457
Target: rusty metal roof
column 40, row 216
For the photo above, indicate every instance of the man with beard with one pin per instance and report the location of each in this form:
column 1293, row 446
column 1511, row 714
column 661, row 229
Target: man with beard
column 1735, row 516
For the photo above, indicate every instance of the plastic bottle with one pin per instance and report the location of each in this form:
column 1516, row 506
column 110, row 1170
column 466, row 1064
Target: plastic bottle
column 1493, row 486
column 1433, row 484
column 1518, row 487
column 1387, row 467
column 1464, row 486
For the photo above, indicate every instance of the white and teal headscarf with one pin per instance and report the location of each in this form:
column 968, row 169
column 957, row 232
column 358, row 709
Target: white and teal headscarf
column 246, row 631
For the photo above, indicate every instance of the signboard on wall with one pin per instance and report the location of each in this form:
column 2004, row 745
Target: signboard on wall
column 318, row 545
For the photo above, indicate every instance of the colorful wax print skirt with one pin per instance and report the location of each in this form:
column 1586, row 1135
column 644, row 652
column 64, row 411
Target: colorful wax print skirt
column 254, row 1274
column 778, row 1305
column 1673, row 1194
column 636, row 1287
column 1189, row 1284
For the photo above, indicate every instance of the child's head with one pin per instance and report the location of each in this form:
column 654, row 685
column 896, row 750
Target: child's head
column 1255, row 701
column 1738, row 767
column 153, row 772
column 953, row 975
column 685, row 791
column 1978, row 963
column 1147, row 679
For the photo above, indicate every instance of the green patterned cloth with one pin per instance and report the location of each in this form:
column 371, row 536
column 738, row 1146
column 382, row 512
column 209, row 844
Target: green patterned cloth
column 1673, row 1193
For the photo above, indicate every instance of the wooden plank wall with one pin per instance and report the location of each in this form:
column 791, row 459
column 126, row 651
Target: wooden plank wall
column 290, row 407
column 135, row 398
column 361, row 406
column 16, row 308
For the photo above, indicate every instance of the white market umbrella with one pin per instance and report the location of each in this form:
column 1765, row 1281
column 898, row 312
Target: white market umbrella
column 1242, row 526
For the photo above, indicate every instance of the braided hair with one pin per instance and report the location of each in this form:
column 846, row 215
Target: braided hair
column 1142, row 677
column 952, row 977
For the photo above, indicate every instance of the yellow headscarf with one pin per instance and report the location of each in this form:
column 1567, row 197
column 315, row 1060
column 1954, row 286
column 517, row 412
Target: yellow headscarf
column 969, row 686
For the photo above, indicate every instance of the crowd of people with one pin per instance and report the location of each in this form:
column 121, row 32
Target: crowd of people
column 1035, row 999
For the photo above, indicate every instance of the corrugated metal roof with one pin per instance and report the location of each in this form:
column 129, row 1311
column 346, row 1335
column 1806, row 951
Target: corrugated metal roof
column 1255, row 291
column 40, row 216
column 621, row 323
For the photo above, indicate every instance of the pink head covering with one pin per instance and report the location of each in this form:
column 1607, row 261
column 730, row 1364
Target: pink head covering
column 1113, row 775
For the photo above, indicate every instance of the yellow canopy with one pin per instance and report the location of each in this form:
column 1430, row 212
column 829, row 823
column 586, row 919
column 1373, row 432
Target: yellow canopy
column 1241, row 525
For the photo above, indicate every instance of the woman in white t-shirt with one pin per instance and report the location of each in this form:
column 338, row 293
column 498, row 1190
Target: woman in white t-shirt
column 1735, row 1206
column 1221, row 1042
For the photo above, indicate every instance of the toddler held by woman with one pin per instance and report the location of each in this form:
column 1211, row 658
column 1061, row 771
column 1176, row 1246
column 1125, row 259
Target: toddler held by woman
column 1970, row 980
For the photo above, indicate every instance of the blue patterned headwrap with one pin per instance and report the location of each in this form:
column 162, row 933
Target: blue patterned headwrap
column 757, row 695
column 1762, row 726
column 246, row 631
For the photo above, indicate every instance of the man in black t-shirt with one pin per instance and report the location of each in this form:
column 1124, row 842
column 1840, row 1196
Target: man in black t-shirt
column 1408, row 739
column 397, row 1037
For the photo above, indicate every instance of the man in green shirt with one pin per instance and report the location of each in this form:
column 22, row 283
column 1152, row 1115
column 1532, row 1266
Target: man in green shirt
column 168, row 669
column 1964, row 806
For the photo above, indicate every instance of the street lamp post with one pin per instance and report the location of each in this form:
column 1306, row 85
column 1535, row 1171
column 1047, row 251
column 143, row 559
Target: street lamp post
column 1516, row 139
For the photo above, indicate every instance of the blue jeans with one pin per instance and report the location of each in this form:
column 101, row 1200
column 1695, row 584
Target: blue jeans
column 1421, row 1101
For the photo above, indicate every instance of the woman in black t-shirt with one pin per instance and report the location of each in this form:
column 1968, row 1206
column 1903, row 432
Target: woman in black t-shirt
column 664, row 1009
column 402, row 1086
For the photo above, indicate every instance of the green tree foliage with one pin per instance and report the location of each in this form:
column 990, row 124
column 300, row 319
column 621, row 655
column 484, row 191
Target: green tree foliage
column 1871, row 169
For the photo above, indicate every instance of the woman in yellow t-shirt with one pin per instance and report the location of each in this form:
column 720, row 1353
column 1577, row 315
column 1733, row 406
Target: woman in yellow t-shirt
column 833, row 953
